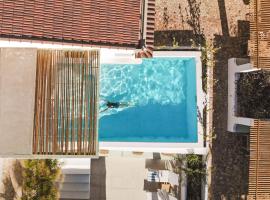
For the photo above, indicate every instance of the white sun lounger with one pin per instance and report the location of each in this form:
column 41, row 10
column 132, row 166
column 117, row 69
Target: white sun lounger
column 163, row 176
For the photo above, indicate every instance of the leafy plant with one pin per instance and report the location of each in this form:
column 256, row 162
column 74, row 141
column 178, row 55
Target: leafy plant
column 208, row 51
column 253, row 89
column 39, row 178
column 175, row 43
column 195, row 171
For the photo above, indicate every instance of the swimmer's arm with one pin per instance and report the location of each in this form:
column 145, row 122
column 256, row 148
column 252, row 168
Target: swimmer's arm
column 104, row 110
column 126, row 105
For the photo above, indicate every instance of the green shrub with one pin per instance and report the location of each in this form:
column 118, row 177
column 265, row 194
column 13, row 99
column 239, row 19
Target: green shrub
column 253, row 94
column 39, row 178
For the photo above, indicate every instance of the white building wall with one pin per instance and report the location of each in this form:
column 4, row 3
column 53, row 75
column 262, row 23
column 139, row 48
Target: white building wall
column 233, row 120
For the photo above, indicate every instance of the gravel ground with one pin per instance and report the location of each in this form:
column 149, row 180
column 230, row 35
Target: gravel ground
column 225, row 23
column 178, row 14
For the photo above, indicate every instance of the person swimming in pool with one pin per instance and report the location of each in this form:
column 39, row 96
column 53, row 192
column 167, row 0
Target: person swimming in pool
column 111, row 105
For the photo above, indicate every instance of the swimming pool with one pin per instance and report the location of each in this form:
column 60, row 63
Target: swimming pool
column 161, row 93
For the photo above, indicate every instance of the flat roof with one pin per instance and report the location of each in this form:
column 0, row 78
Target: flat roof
column 102, row 22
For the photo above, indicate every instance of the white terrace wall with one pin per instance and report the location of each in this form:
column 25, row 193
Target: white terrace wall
column 233, row 70
column 17, row 91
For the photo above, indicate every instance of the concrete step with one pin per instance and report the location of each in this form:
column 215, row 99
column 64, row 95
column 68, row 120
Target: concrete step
column 151, row 23
column 76, row 178
column 77, row 187
column 75, row 195
column 151, row 28
column 150, row 34
column 79, row 162
column 151, row 6
column 76, row 171
column 151, row 11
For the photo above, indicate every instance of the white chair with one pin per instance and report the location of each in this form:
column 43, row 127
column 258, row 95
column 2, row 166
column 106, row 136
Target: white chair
column 168, row 177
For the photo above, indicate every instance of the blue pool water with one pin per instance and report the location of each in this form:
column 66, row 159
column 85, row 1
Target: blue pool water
column 161, row 93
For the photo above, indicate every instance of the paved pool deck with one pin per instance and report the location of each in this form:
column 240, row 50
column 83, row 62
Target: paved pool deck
column 118, row 178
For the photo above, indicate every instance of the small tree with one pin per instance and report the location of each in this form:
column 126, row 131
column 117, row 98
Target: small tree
column 196, row 173
column 39, row 178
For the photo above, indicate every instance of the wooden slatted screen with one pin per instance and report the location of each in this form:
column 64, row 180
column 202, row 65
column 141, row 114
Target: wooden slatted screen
column 259, row 167
column 66, row 107
column 259, row 44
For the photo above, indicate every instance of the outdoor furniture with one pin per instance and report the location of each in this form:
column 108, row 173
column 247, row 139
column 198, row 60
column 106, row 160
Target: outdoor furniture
column 150, row 186
column 166, row 187
column 155, row 164
column 153, row 176
column 163, row 176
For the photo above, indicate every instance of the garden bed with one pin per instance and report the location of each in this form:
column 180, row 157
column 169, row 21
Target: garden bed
column 253, row 95
column 195, row 171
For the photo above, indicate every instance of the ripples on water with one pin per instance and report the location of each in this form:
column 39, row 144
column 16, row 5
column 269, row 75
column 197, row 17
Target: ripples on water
column 155, row 81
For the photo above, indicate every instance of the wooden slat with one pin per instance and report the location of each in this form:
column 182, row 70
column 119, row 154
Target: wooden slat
column 259, row 167
column 259, row 44
column 66, row 102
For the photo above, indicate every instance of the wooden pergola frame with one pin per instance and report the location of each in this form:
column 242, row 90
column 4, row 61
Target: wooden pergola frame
column 66, row 102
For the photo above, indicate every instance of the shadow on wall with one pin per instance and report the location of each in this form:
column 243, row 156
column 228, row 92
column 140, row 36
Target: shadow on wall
column 98, row 179
column 8, row 190
column 12, row 180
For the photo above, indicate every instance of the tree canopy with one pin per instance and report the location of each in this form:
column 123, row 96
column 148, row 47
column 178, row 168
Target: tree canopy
column 39, row 178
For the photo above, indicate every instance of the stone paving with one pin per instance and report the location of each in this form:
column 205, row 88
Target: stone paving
column 116, row 177
column 225, row 24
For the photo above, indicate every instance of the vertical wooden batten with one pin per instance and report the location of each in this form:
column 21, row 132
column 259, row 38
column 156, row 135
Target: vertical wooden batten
column 259, row 43
column 66, row 107
column 259, row 166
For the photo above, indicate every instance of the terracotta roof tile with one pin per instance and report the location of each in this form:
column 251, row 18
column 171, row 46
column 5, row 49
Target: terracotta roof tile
column 95, row 22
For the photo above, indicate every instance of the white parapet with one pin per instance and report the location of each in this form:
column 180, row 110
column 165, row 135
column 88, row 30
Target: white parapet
column 233, row 70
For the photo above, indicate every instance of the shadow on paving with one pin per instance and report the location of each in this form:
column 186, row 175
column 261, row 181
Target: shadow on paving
column 230, row 159
column 98, row 179
column 183, row 38
column 9, row 192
